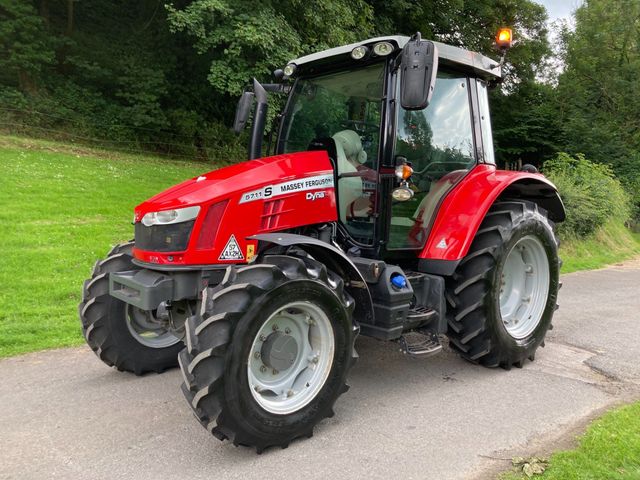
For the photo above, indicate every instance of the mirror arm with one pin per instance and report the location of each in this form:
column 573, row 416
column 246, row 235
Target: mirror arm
column 276, row 87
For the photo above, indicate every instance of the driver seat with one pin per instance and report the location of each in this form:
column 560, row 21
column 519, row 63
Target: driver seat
column 350, row 155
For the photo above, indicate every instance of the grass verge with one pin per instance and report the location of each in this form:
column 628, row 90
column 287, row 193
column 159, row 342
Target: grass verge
column 62, row 208
column 610, row 244
column 609, row 449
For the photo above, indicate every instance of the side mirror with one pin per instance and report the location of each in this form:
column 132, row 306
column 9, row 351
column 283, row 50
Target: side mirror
column 419, row 67
column 242, row 111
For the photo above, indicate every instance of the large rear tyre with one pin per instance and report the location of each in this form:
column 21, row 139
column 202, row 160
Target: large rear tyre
column 270, row 356
column 502, row 296
column 121, row 335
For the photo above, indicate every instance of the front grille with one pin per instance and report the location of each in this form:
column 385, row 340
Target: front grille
column 163, row 238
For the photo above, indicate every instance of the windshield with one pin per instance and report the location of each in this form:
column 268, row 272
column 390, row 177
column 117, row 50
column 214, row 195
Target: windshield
column 323, row 106
column 346, row 107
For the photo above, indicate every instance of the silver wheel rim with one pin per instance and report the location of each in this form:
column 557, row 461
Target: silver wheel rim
column 298, row 338
column 524, row 287
column 147, row 330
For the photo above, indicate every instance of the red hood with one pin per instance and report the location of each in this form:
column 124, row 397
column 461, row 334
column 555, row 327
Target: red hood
column 220, row 184
column 236, row 202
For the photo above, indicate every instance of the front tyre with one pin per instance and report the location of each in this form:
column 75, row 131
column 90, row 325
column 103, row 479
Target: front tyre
column 270, row 356
column 503, row 294
column 121, row 335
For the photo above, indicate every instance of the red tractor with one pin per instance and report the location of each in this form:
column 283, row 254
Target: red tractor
column 380, row 212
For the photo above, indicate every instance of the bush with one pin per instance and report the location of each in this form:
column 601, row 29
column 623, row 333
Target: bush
column 590, row 191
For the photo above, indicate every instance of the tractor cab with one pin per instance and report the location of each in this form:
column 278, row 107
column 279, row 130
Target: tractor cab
column 403, row 120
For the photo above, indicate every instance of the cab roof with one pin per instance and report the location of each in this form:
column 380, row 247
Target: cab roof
column 482, row 66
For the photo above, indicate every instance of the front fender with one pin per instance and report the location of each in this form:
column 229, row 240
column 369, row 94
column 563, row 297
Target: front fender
column 464, row 208
column 335, row 260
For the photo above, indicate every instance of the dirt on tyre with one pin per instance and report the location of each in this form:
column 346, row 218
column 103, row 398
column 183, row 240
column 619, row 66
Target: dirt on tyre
column 121, row 335
column 502, row 296
column 270, row 356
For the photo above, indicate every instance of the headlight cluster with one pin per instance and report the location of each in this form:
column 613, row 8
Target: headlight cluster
column 167, row 217
column 382, row 49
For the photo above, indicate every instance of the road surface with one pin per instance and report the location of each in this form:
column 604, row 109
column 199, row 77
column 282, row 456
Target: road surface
column 66, row 415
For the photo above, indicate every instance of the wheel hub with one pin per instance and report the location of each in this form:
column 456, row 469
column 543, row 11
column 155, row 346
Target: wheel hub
column 147, row 329
column 279, row 351
column 291, row 357
column 524, row 287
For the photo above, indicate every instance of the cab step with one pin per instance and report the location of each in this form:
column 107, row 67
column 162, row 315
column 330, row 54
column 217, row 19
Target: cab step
column 420, row 314
column 419, row 344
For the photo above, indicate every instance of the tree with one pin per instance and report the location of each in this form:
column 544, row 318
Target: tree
column 599, row 92
column 525, row 123
column 472, row 25
column 25, row 49
column 247, row 39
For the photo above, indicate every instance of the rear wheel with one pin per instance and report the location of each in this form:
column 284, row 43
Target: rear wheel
column 270, row 356
column 120, row 334
column 502, row 297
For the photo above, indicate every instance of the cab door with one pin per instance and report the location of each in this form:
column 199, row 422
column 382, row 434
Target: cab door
column 440, row 144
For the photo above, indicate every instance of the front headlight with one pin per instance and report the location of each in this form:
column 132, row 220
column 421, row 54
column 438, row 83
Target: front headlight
column 166, row 217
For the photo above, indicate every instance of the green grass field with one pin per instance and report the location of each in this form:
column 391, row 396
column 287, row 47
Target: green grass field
column 609, row 450
column 65, row 206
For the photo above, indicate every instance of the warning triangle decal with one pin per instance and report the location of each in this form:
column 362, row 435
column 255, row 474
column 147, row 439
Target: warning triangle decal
column 231, row 250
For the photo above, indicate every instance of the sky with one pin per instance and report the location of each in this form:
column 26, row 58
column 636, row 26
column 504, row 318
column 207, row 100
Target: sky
column 560, row 9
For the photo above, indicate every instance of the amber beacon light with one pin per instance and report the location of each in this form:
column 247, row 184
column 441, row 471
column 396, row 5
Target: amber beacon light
column 504, row 38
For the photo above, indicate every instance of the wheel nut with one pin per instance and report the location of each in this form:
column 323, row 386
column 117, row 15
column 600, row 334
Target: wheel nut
column 275, row 327
column 256, row 354
column 274, row 372
column 290, row 393
column 262, row 338
column 263, row 369
column 287, row 330
column 315, row 359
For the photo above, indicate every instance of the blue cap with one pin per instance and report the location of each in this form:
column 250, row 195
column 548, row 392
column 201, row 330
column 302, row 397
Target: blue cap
column 398, row 281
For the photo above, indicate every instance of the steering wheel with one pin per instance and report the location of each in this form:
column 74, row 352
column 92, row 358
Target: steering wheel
column 360, row 127
column 432, row 165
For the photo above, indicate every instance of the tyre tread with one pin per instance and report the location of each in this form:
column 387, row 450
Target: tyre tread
column 466, row 311
column 208, row 337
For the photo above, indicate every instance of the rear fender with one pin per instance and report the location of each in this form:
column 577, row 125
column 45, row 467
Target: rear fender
column 464, row 208
column 336, row 261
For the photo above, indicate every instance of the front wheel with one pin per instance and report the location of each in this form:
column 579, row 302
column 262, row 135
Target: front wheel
column 503, row 294
column 120, row 334
column 270, row 356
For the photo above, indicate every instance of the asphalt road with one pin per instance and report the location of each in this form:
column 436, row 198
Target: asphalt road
column 66, row 415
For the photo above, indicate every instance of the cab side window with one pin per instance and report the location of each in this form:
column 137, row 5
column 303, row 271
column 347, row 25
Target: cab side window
column 438, row 143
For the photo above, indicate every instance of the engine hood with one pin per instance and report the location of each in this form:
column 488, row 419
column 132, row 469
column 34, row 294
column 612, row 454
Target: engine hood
column 236, row 202
column 219, row 184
